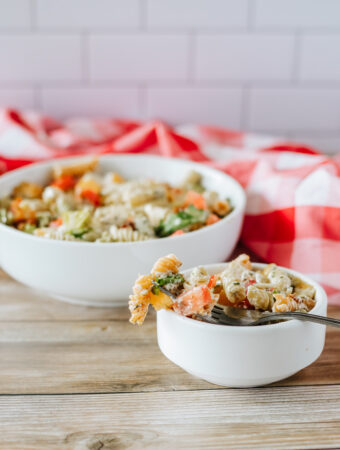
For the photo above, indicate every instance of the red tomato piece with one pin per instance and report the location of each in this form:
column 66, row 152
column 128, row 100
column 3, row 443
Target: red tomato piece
column 91, row 197
column 64, row 182
column 193, row 300
column 245, row 304
column 212, row 281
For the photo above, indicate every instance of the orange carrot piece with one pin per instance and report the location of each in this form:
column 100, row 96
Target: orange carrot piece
column 64, row 182
column 91, row 197
column 196, row 199
column 177, row 233
column 56, row 223
column 212, row 219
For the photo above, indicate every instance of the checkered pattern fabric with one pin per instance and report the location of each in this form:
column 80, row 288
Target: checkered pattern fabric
column 293, row 207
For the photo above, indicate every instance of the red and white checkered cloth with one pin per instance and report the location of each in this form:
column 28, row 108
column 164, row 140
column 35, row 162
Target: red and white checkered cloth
column 293, row 208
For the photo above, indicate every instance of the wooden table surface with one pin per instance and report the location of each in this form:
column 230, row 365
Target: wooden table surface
column 84, row 378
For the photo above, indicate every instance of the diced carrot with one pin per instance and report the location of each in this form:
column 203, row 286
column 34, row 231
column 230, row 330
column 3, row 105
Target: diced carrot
column 193, row 300
column 177, row 233
column 212, row 219
column 196, row 199
column 64, row 182
column 56, row 223
column 91, row 197
column 212, row 281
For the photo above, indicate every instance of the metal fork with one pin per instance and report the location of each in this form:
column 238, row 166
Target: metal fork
column 227, row 315
column 242, row 317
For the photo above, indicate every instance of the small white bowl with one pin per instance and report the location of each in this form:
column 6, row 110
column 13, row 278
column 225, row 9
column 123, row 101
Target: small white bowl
column 101, row 274
column 242, row 356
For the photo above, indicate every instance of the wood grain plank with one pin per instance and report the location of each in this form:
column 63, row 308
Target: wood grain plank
column 293, row 417
column 113, row 356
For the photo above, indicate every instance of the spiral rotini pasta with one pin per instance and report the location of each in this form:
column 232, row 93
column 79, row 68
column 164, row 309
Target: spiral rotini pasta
column 143, row 296
column 143, row 285
column 166, row 264
column 140, row 299
column 126, row 234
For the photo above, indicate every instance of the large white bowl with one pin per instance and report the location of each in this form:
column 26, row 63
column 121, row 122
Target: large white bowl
column 101, row 274
column 242, row 356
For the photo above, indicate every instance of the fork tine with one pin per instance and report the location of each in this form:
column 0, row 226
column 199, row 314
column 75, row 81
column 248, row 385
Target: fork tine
column 216, row 312
column 218, row 308
column 215, row 316
column 219, row 314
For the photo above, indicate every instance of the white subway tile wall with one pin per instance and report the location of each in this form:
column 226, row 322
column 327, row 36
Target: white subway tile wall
column 219, row 106
column 246, row 57
column 271, row 66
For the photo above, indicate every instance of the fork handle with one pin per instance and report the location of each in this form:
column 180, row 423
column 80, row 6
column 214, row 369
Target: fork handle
column 300, row 316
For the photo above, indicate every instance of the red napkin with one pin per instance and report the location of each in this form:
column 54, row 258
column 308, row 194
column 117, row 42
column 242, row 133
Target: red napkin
column 293, row 207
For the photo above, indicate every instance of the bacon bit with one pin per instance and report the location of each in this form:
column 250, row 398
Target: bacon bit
column 129, row 223
column 177, row 233
column 56, row 223
column 245, row 304
column 213, row 218
column 91, row 197
column 196, row 199
column 212, row 281
column 249, row 283
column 64, row 182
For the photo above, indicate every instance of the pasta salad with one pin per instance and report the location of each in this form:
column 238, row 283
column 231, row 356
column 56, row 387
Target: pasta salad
column 239, row 285
column 82, row 204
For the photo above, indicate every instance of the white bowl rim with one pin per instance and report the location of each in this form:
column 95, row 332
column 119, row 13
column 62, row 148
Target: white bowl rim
column 288, row 324
column 237, row 209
